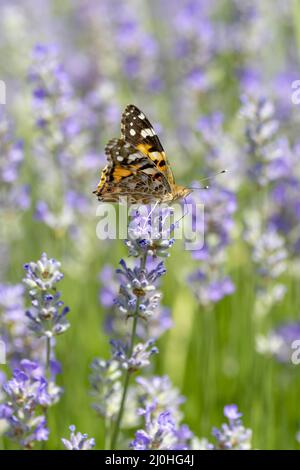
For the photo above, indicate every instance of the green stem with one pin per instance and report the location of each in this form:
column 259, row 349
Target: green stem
column 296, row 21
column 116, row 430
column 48, row 353
column 47, row 374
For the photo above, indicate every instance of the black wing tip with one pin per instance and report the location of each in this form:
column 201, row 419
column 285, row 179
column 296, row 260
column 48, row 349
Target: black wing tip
column 131, row 106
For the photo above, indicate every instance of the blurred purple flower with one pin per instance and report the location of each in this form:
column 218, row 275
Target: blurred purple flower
column 105, row 381
column 161, row 432
column 232, row 436
column 278, row 342
column 13, row 326
column 159, row 392
column 221, row 152
column 231, row 412
column 65, row 141
column 286, row 213
column 78, row 441
column 27, row 395
column 260, row 131
column 108, row 291
column 13, row 196
column 250, row 81
column 209, row 282
column 210, row 291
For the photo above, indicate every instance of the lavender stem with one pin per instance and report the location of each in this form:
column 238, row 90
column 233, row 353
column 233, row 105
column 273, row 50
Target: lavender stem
column 48, row 353
column 127, row 374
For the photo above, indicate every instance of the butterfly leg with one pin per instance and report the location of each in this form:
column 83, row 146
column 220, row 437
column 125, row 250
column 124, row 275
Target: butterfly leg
column 175, row 224
column 150, row 213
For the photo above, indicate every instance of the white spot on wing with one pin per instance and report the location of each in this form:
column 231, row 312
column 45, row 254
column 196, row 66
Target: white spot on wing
column 142, row 116
column 120, row 159
column 146, row 132
column 148, row 171
column 132, row 132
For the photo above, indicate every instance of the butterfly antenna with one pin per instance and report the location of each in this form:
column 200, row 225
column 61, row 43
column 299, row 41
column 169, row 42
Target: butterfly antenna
column 209, row 178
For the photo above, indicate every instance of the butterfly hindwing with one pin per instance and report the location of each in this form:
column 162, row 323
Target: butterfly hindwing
column 130, row 172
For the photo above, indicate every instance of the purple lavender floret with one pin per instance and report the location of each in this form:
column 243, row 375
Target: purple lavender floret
column 231, row 412
column 78, row 441
column 232, row 436
column 150, row 232
column 138, row 359
column 161, row 432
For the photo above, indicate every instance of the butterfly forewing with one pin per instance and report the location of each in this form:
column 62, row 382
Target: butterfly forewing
column 138, row 131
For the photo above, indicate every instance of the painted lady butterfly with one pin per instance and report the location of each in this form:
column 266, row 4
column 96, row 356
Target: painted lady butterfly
column 137, row 167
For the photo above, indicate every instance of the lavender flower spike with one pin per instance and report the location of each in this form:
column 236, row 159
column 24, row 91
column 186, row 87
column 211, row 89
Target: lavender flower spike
column 26, row 397
column 78, row 441
column 42, row 275
column 47, row 315
column 106, row 387
column 138, row 299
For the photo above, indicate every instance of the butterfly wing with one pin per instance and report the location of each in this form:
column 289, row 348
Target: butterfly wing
column 138, row 131
column 129, row 172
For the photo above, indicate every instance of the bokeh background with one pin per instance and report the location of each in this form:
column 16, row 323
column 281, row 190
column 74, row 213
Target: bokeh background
column 215, row 78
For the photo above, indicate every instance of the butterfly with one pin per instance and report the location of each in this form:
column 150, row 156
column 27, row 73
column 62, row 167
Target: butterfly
column 137, row 166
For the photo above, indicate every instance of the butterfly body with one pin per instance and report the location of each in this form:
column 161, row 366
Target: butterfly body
column 137, row 167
